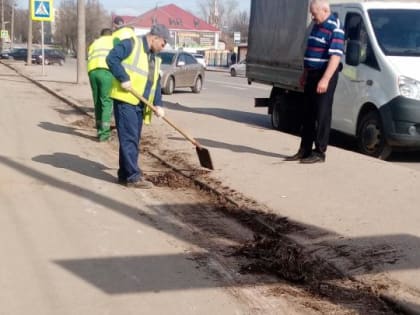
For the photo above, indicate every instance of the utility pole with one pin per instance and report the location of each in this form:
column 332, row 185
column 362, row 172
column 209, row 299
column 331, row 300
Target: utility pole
column 2, row 23
column 29, row 58
column 81, row 41
column 12, row 25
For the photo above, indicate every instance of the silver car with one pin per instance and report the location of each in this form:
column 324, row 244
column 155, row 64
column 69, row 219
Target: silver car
column 238, row 68
column 179, row 70
column 200, row 58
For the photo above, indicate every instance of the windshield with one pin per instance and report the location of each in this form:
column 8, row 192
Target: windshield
column 397, row 31
column 167, row 57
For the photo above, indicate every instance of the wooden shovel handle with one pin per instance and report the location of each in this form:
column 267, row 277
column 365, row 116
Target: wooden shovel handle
column 153, row 108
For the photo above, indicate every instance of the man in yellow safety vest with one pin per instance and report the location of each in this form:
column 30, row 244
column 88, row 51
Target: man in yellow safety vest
column 101, row 82
column 135, row 66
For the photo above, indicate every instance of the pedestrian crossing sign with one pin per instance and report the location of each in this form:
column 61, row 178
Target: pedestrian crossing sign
column 42, row 10
column 5, row 34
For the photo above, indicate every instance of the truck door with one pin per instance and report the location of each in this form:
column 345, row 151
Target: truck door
column 356, row 82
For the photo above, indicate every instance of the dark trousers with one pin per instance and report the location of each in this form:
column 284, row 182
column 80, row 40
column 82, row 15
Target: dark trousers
column 129, row 122
column 317, row 111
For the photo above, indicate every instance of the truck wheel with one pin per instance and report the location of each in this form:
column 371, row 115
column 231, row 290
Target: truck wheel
column 233, row 72
column 275, row 116
column 170, row 86
column 284, row 114
column 371, row 137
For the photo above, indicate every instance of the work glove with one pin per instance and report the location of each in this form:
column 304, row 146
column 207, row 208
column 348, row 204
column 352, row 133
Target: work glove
column 160, row 112
column 126, row 85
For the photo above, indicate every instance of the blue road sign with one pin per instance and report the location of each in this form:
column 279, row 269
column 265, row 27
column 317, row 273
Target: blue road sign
column 42, row 10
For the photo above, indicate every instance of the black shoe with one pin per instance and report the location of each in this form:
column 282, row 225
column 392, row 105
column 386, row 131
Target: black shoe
column 141, row 184
column 314, row 158
column 122, row 181
column 298, row 156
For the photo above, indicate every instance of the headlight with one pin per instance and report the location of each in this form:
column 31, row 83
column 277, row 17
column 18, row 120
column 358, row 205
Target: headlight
column 409, row 88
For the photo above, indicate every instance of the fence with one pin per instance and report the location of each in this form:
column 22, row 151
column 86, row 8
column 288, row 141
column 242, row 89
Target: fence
column 217, row 58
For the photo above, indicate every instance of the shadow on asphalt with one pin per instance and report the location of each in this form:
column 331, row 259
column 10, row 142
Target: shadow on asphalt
column 349, row 143
column 254, row 119
column 76, row 164
column 122, row 275
column 65, row 129
column 337, row 139
column 232, row 147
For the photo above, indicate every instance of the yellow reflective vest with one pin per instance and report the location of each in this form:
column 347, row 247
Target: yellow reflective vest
column 137, row 67
column 98, row 51
column 123, row 33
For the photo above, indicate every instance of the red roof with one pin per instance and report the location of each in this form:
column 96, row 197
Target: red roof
column 173, row 17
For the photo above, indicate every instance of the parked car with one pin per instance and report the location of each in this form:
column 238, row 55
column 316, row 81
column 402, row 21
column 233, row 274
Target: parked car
column 180, row 69
column 200, row 58
column 238, row 68
column 52, row 56
column 4, row 54
column 17, row 54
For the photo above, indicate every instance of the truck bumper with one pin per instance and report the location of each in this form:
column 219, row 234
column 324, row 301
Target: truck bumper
column 401, row 120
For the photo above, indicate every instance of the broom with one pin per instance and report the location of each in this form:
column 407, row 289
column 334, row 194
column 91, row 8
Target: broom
column 202, row 152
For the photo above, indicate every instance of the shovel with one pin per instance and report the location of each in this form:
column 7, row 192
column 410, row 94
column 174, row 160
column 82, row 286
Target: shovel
column 203, row 153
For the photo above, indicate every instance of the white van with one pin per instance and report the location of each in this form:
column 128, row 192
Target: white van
column 378, row 94
column 377, row 99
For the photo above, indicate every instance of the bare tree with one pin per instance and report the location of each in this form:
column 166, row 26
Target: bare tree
column 97, row 18
column 66, row 25
column 66, row 22
column 224, row 15
column 217, row 12
column 240, row 23
column 20, row 32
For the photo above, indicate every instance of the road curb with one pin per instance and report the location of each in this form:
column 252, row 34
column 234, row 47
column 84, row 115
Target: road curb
column 218, row 69
column 406, row 302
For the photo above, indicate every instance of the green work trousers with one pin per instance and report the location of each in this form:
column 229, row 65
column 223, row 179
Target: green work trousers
column 101, row 82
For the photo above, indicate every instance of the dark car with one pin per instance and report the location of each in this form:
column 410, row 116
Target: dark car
column 52, row 56
column 180, row 70
column 4, row 54
column 17, row 54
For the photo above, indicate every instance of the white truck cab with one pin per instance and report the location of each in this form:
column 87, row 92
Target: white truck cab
column 378, row 95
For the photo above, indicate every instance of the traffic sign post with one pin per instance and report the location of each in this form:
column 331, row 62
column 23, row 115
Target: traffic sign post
column 5, row 34
column 237, row 38
column 42, row 10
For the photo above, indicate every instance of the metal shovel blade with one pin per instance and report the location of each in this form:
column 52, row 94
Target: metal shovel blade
column 204, row 157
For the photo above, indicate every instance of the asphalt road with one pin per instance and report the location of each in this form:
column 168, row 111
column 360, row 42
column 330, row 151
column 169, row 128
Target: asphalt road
column 86, row 227
column 235, row 99
column 75, row 242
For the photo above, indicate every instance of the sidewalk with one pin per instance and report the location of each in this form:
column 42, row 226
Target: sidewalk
column 360, row 213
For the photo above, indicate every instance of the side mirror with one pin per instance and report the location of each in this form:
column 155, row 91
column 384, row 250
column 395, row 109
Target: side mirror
column 353, row 52
column 181, row 63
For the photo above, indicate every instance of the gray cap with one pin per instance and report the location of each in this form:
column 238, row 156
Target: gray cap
column 161, row 31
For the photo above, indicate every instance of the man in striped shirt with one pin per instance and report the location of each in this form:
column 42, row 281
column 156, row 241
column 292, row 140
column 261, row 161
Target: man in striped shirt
column 319, row 79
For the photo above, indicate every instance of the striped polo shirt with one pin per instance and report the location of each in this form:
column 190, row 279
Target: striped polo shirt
column 326, row 39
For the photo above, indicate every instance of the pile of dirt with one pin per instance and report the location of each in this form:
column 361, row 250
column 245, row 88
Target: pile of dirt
column 169, row 179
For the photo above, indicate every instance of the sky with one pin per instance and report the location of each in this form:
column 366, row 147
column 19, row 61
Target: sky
column 137, row 7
